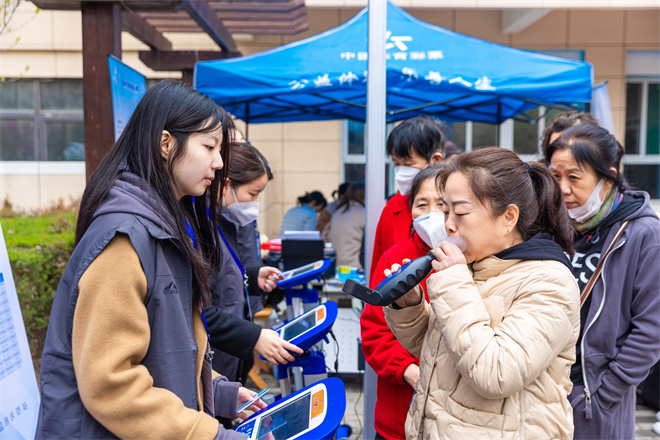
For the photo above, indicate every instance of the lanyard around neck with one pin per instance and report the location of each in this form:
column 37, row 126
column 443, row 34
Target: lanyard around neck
column 242, row 269
column 209, row 353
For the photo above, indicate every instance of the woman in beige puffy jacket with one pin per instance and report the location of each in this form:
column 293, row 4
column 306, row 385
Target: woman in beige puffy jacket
column 497, row 339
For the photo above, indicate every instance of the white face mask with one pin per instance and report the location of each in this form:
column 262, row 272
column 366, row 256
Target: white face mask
column 404, row 177
column 583, row 213
column 431, row 228
column 242, row 212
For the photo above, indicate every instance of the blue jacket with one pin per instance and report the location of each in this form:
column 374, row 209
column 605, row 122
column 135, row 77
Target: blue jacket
column 129, row 209
column 621, row 338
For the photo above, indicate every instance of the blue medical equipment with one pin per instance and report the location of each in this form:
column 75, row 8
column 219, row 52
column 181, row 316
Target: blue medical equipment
column 303, row 274
column 300, row 298
column 313, row 413
column 305, row 331
column 310, row 327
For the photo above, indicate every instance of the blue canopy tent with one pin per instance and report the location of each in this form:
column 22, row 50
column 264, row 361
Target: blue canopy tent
column 430, row 70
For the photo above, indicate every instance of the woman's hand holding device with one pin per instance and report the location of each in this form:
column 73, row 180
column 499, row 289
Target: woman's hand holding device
column 244, row 396
column 413, row 296
column 275, row 349
column 268, row 278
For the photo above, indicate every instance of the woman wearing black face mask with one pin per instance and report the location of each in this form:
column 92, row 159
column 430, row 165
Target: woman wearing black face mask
column 233, row 336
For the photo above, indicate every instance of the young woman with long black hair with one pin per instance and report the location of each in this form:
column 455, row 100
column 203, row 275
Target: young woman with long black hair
column 127, row 352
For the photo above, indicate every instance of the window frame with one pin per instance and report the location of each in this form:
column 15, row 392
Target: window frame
column 41, row 118
column 361, row 159
column 642, row 158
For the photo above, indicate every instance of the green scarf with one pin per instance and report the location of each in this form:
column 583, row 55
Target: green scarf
column 609, row 205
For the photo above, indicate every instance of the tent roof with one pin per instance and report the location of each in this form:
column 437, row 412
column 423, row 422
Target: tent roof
column 430, row 70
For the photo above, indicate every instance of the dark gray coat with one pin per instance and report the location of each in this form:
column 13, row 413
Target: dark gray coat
column 621, row 339
column 129, row 209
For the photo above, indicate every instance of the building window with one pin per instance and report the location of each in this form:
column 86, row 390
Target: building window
column 354, row 156
column 642, row 137
column 41, row 120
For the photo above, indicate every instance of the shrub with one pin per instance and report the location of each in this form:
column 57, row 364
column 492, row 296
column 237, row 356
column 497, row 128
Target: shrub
column 38, row 248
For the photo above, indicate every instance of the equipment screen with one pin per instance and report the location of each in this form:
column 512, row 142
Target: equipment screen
column 302, row 269
column 287, row 421
column 298, row 327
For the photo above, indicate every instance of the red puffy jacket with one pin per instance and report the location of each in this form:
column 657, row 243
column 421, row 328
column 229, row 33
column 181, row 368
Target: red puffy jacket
column 384, row 353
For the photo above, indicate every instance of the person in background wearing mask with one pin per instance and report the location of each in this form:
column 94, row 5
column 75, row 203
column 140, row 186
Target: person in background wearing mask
column 249, row 174
column 234, row 340
column 620, row 305
column 413, row 145
column 397, row 369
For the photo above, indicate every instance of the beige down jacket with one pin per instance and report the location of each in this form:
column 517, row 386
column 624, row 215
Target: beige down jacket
column 495, row 344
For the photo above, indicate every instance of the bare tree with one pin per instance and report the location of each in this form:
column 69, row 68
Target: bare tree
column 7, row 9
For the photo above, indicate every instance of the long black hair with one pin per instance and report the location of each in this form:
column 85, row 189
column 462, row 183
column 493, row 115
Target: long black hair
column 314, row 196
column 354, row 193
column 182, row 111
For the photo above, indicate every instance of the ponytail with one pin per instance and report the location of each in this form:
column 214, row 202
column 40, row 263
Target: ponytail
column 314, row 196
column 552, row 216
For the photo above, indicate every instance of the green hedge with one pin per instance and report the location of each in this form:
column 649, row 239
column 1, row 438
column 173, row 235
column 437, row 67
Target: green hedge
column 38, row 248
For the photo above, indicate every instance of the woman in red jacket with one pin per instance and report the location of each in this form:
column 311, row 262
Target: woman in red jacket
column 398, row 370
column 413, row 145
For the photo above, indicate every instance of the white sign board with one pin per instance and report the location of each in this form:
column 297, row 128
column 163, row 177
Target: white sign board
column 19, row 392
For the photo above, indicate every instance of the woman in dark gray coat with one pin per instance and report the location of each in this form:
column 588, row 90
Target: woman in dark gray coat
column 620, row 319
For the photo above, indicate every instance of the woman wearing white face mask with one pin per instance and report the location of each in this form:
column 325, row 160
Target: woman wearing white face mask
column 247, row 177
column 397, row 369
column 413, row 145
column 619, row 320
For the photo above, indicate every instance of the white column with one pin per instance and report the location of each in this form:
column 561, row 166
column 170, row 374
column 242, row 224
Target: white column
column 375, row 167
column 506, row 134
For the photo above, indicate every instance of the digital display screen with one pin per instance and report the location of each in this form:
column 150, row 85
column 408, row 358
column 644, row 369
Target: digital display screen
column 287, row 421
column 302, row 269
column 299, row 327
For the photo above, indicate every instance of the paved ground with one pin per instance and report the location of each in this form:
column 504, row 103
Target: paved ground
column 355, row 409
column 645, row 417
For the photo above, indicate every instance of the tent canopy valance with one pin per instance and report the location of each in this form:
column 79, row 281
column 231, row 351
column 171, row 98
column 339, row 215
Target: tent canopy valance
column 430, row 70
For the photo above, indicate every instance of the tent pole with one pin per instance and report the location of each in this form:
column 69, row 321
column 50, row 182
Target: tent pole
column 498, row 129
column 375, row 167
column 247, row 121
